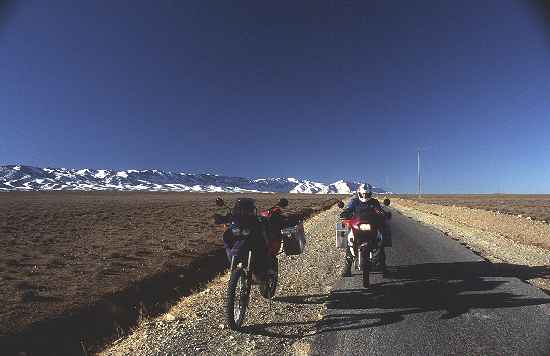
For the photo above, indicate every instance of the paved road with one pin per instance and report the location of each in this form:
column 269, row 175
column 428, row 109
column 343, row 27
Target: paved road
column 439, row 298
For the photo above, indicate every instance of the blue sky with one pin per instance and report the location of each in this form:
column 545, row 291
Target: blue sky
column 321, row 90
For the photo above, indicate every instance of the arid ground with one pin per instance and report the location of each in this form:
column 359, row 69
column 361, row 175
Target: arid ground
column 535, row 206
column 432, row 282
column 515, row 239
column 63, row 253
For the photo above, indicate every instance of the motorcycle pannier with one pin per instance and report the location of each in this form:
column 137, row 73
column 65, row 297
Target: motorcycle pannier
column 341, row 235
column 294, row 240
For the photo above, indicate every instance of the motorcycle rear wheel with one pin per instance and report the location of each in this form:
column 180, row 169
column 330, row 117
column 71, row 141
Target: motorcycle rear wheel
column 238, row 293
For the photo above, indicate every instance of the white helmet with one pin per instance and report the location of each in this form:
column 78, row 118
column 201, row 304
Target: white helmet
column 364, row 192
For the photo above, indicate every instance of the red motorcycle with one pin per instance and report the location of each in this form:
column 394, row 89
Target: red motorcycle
column 252, row 244
column 361, row 231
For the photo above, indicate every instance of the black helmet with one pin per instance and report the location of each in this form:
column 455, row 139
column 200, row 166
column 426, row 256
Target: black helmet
column 244, row 212
column 244, row 207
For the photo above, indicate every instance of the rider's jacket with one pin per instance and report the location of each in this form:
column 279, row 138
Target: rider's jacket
column 355, row 203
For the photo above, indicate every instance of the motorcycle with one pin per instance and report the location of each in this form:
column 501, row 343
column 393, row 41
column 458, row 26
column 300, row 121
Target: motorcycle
column 252, row 243
column 361, row 231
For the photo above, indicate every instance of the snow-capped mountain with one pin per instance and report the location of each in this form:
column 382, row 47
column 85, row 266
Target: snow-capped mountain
column 27, row 178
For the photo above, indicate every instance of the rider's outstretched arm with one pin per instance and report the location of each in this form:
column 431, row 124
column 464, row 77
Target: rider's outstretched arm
column 349, row 208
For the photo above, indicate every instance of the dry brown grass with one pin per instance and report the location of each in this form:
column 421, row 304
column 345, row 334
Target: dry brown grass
column 534, row 206
column 484, row 212
column 63, row 250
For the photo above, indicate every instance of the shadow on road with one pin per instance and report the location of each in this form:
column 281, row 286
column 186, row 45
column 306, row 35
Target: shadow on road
column 450, row 288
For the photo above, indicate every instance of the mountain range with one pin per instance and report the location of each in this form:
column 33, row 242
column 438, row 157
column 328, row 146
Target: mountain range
column 28, row 178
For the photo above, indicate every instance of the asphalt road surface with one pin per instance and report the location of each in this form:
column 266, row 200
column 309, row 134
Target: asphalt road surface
column 438, row 298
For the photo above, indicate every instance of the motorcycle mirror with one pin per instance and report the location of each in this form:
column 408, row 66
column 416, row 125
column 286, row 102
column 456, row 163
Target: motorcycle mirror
column 386, row 202
column 283, row 203
column 340, row 204
column 219, row 201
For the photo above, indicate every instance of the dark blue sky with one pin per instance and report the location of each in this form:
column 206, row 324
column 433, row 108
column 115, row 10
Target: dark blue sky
column 314, row 89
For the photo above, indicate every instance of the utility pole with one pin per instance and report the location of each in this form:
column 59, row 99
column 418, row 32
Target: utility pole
column 418, row 174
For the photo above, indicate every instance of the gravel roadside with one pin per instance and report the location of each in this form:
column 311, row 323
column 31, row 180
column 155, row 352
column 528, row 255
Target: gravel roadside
column 196, row 324
column 497, row 237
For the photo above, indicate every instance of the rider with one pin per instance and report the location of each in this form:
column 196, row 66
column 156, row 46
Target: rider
column 244, row 216
column 363, row 199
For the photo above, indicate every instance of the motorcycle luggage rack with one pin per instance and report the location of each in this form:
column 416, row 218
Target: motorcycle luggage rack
column 342, row 232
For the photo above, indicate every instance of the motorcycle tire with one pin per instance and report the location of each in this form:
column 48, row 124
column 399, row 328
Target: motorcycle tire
column 269, row 286
column 378, row 267
column 377, row 262
column 238, row 292
column 365, row 267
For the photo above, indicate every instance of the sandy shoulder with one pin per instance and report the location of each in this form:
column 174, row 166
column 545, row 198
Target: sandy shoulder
column 196, row 324
column 497, row 237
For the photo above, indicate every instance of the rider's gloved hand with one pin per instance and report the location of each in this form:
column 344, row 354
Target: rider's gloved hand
column 344, row 214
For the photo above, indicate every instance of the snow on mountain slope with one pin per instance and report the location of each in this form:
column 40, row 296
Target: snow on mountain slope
column 342, row 187
column 27, row 178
